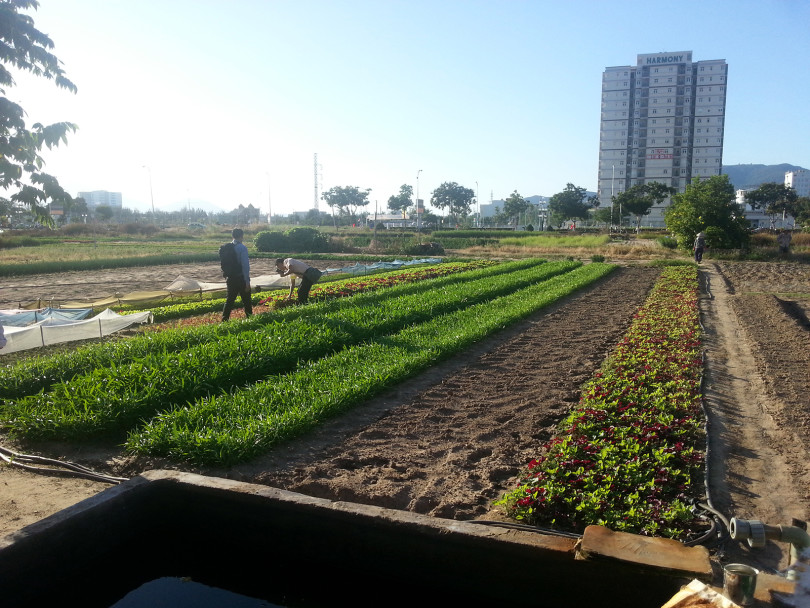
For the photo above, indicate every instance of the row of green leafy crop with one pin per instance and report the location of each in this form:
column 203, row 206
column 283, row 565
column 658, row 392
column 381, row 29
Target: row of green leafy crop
column 111, row 398
column 320, row 292
column 630, row 454
column 229, row 428
column 34, row 375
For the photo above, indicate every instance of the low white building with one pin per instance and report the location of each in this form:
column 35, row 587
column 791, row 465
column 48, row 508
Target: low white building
column 758, row 218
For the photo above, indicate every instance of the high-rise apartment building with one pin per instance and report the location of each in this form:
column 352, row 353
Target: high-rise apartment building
column 662, row 121
column 799, row 181
column 98, row 198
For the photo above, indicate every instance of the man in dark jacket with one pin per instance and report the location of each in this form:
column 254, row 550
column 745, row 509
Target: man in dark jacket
column 238, row 282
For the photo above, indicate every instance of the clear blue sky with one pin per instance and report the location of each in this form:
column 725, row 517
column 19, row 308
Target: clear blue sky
column 227, row 102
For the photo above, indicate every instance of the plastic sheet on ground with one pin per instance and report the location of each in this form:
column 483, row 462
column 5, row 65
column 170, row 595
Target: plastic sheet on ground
column 365, row 268
column 45, row 333
column 22, row 317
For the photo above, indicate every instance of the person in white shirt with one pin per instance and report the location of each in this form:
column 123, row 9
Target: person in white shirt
column 308, row 275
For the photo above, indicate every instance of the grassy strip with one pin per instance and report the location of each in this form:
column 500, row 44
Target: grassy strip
column 630, row 453
column 231, row 428
column 114, row 397
column 9, row 270
column 586, row 241
column 34, row 375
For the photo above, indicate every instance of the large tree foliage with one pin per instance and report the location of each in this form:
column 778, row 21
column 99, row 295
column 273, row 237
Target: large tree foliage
column 570, row 204
column 708, row 206
column 23, row 47
column 776, row 199
column 402, row 201
column 514, row 206
column 803, row 212
column 639, row 200
column 346, row 199
column 453, row 197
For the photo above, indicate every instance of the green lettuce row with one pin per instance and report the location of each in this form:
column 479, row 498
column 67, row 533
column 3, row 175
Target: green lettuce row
column 114, row 398
column 32, row 376
column 227, row 429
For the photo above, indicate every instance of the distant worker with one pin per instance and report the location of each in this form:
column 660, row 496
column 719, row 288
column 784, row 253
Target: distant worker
column 236, row 268
column 308, row 275
column 699, row 246
column 2, row 337
column 783, row 240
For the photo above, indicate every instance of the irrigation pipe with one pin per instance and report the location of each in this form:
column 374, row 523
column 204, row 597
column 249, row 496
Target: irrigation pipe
column 525, row 527
column 708, row 506
column 36, row 464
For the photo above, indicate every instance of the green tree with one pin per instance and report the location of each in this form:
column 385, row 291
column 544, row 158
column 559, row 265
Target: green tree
column 609, row 215
column 104, row 213
column 569, row 204
column 639, row 200
column 23, row 47
column 402, row 201
column 776, row 199
column 708, row 206
column 514, row 206
column 453, row 197
column 803, row 211
column 346, row 199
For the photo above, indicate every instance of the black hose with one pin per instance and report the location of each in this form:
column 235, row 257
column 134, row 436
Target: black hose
column 524, row 527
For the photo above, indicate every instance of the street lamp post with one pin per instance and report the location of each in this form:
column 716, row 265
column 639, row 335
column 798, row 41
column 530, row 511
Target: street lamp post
column 417, row 201
column 151, row 193
column 612, row 180
column 477, row 200
column 269, row 208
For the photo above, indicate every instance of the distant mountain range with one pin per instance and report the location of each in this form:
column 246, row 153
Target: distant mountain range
column 745, row 177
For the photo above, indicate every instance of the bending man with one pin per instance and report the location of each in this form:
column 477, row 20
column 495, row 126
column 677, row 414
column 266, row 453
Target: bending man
column 308, row 275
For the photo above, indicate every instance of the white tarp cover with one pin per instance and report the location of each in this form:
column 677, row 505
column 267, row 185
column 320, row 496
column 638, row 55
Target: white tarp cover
column 21, row 317
column 45, row 332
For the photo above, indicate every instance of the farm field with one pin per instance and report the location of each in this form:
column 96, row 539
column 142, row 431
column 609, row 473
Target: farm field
column 452, row 440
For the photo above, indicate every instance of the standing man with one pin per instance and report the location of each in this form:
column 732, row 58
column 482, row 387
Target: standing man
column 236, row 268
column 699, row 246
column 308, row 275
column 783, row 240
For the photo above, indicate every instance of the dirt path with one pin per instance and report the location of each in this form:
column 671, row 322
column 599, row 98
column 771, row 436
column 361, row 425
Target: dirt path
column 753, row 462
column 450, row 441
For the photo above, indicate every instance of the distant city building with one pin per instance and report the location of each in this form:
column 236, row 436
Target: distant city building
column 662, row 121
column 799, row 181
column 99, row 198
